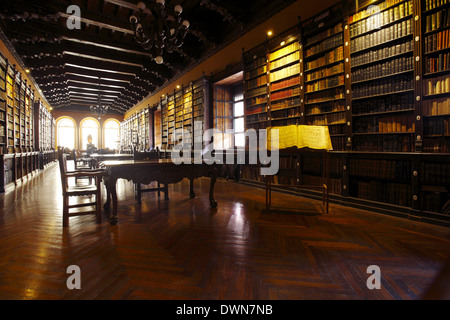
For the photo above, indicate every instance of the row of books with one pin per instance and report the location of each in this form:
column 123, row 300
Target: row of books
column 291, row 112
column 437, row 20
column 285, row 83
column 435, row 173
column 432, row 4
column 380, row 19
column 284, row 122
column 288, row 161
column 324, row 34
column 286, row 103
column 334, row 130
column 433, row 201
column 436, row 144
column 326, row 119
column 284, row 51
column 325, row 83
column 437, row 85
column 325, row 96
column 262, row 80
column 329, row 43
column 256, row 117
column 437, row 41
column 373, row 9
column 363, row 58
column 383, row 69
column 330, row 57
column 295, row 56
column 390, row 33
column 256, row 91
column 397, row 124
column 384, row 143
column 384, row 104
column 338, row 143
column 285, row 93
column 197, row 113
column 333, row 106
column 435, row 107
column 437, row 64
column 436, row 126
column 285, row 72
column 390, row 192
column 255, row 100
column 255, row 72
column 390, row 85
column 256, row 63
column 325, row 72
column 380, row 169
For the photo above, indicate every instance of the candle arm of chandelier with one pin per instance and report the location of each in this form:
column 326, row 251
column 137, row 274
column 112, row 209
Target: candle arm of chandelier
column 165, row 32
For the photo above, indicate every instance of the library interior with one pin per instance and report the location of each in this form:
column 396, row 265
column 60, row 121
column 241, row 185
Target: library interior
column 136, row 139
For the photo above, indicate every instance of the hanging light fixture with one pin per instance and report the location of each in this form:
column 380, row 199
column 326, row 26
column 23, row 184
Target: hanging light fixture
column 99, row 110
column 163, row 32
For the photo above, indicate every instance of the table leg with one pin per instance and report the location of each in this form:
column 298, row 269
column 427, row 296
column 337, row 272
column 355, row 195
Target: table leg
column 113, row 216
column 212, row 202
column 111, row 194
column 191, row 188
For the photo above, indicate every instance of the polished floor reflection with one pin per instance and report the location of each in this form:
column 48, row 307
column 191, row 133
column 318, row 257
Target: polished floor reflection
column 184, row 249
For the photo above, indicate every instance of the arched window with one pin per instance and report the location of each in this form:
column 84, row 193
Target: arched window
column 65, row 134
column 112, row 133
column 89, row 127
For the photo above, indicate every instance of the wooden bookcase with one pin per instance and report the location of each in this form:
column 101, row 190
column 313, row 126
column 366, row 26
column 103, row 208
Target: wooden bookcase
column 135, row 131
column 27, row 129
column 3, row 117
column 256, row 88
column 284, row 80
column 323, row 78
column 380, row 79
column 178, row 112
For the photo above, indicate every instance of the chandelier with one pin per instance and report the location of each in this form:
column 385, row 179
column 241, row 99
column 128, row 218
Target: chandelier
column 162, row 30
column 99, row 110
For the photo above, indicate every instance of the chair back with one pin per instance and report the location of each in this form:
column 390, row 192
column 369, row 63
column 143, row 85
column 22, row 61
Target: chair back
column 151, row 155
column 63, row 171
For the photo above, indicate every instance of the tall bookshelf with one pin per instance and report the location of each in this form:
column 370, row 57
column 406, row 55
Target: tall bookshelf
column 170, row 121
column 17, row 98
column 135, row 131
column 10, row 108
column 182, row 110
column 284, row 79
column 379, row 78
column 324, row 80
column 187, row 115
column 381, row 54
column 164, row 123
column 256, row 88
column 436, row 75
column 3, row 118
column 44, row 130
column 433, row 181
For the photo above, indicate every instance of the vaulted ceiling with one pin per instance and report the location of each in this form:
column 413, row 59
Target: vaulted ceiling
column 71, row 66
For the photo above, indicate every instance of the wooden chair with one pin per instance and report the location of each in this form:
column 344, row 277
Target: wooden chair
column 151, row 155
column 81, row 163
column 80, row 191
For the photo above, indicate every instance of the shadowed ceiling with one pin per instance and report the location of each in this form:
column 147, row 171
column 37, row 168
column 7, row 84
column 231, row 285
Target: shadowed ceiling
column 71, row 66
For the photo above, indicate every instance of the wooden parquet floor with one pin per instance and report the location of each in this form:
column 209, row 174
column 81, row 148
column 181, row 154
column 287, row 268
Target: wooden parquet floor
column 183, row 249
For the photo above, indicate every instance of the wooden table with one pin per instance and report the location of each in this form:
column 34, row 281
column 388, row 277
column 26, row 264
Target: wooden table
column 97, row 157
column 146, row 171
